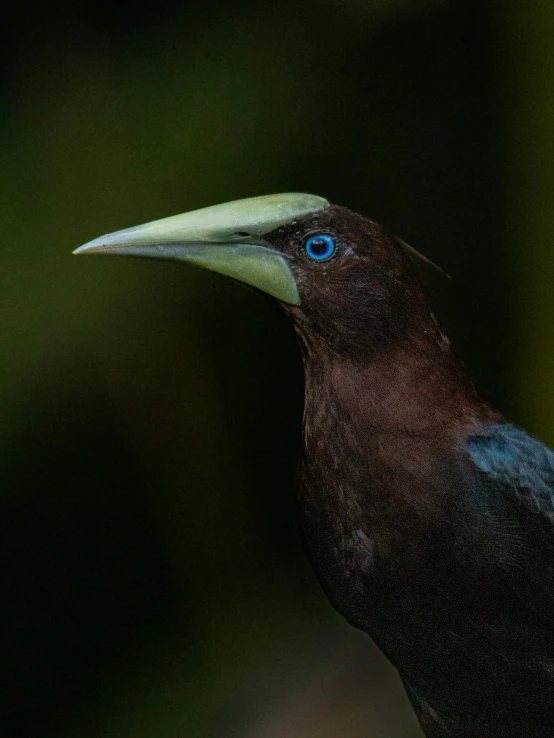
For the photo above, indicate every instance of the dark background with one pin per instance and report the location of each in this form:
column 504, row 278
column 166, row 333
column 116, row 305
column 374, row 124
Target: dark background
column 152, row 580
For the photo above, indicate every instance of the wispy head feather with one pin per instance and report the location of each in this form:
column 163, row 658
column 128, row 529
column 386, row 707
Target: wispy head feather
column 416, row 253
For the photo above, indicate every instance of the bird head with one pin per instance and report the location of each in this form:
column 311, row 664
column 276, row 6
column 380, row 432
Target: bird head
column 345, row 283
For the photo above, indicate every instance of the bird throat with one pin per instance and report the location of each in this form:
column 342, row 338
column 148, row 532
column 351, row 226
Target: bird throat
column 374, row 435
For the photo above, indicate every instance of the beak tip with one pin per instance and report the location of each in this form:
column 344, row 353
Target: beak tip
column 91, row 247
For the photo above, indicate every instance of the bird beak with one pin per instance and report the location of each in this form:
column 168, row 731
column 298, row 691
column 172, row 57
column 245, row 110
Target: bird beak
column 225, row 238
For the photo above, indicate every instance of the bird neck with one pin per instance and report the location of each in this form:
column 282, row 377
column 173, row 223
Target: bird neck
column 376, row 436
column 414, row 385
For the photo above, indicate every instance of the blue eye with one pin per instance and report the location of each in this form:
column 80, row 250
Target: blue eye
column 320, row 247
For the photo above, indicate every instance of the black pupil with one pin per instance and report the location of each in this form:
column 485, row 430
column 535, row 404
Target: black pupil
column 319, row 246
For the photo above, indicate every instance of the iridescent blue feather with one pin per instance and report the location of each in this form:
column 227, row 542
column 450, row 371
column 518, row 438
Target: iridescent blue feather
column 513, row 458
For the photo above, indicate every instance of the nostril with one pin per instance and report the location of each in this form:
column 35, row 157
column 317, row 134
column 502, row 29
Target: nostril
column 241, row 233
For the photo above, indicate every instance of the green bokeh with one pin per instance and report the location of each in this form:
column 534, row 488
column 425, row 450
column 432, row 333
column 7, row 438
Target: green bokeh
column 154, row 584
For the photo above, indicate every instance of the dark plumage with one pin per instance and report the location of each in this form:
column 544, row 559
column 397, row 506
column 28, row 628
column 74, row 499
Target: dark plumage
column 427, row 516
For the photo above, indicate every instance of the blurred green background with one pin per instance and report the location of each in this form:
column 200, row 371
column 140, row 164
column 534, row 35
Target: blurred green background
column 152, row 579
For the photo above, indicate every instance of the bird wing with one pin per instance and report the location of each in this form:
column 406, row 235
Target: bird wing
column 518, row 462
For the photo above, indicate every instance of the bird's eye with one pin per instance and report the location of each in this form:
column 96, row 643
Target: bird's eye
column 320, row 247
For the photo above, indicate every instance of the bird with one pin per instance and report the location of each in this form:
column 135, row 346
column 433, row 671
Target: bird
column 426, row 514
